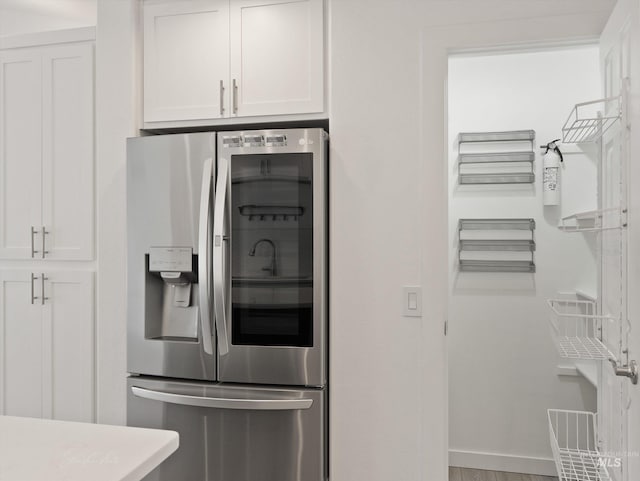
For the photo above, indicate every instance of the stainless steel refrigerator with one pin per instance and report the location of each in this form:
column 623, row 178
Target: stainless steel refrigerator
column 227, row 308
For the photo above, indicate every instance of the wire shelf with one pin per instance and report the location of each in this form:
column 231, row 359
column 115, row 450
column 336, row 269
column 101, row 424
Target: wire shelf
column 497, row 246
column 502, row 178
column 474, row 265
column 508, row 136
column 574, row 443
column 515, row 245
column 496, row 224
column 497, row 157
column 594, row 221
column 588, row 121
column 512, row 159
column 577, row 330
column 501, row 167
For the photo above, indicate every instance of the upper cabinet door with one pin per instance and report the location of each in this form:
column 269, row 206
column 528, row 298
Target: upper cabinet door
column 20, row 153
column 186, row 59
column 277, row 56
column 67, row 152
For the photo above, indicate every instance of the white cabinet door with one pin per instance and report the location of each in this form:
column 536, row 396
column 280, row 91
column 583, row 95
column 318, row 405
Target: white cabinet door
column 47, row 362
column 68, row 328
column 186, row 58
column 620, row 400
column 22, row 362
column 67, row 152
column 20, row 152
column 277, row 56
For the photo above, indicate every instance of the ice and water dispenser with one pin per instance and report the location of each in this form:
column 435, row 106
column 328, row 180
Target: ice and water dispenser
column 171, row 297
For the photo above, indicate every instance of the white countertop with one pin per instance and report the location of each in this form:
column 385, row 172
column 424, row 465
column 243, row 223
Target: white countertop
column 45, row 450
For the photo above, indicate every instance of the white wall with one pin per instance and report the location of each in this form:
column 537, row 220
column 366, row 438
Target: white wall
column 389, row 224
column 502, row 360
column 31, row 16
column 117, row 117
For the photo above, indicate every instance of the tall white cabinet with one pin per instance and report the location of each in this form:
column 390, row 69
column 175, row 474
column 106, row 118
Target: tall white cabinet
column 218, row 59
column 46, row 180
column 47, row 208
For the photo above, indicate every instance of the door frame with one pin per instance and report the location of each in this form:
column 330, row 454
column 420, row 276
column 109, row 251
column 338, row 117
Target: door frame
column 436, row 44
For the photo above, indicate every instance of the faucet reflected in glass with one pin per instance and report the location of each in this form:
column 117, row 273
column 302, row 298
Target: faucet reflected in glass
column 271, row 268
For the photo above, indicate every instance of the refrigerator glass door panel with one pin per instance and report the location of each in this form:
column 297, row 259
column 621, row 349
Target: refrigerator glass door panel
column 233, row 433
column 276, row 238
column 272, row 246
column 169, row 218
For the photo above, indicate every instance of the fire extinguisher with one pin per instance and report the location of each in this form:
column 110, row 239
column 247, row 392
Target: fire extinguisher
column 551, row 173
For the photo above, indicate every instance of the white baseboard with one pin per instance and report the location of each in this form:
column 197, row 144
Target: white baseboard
column 502, row 462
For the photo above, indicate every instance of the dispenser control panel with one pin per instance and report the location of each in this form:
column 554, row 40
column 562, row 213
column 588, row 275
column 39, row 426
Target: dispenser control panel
column 170, row 259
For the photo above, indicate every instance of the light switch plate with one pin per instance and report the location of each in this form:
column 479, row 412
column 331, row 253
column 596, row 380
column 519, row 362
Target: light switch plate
column 412, row 301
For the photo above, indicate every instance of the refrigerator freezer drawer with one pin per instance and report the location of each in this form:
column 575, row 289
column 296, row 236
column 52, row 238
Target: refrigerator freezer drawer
column 233, row 432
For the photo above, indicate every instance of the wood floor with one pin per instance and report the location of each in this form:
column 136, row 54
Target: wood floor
column 465, row 474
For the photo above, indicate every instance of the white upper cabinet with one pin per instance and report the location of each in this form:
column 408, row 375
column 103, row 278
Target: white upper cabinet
column 21, row 141
column 186, row 66
column 277, row 56
column 46, row 165
column 67, row 152
column 213, row 59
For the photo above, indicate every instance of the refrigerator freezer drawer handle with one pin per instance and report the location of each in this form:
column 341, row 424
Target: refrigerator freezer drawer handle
column 224, row 403
column 219, row 276
column 204, row 264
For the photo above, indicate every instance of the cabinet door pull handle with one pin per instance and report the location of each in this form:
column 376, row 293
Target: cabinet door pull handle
column 44, row 234
column 33, row 242
column 42, row 279
column 235, row 96
column 33, row 296
column 221, row 98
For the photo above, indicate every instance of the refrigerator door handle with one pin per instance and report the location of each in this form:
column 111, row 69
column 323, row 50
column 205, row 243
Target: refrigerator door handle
column 219, row 238
column 203, row 255
column 223, row 403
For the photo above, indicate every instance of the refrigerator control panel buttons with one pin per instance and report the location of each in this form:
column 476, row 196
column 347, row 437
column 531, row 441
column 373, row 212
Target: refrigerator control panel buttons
column 276, row 140
column 170, row 259
column 253, row 140
column 232, row 141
